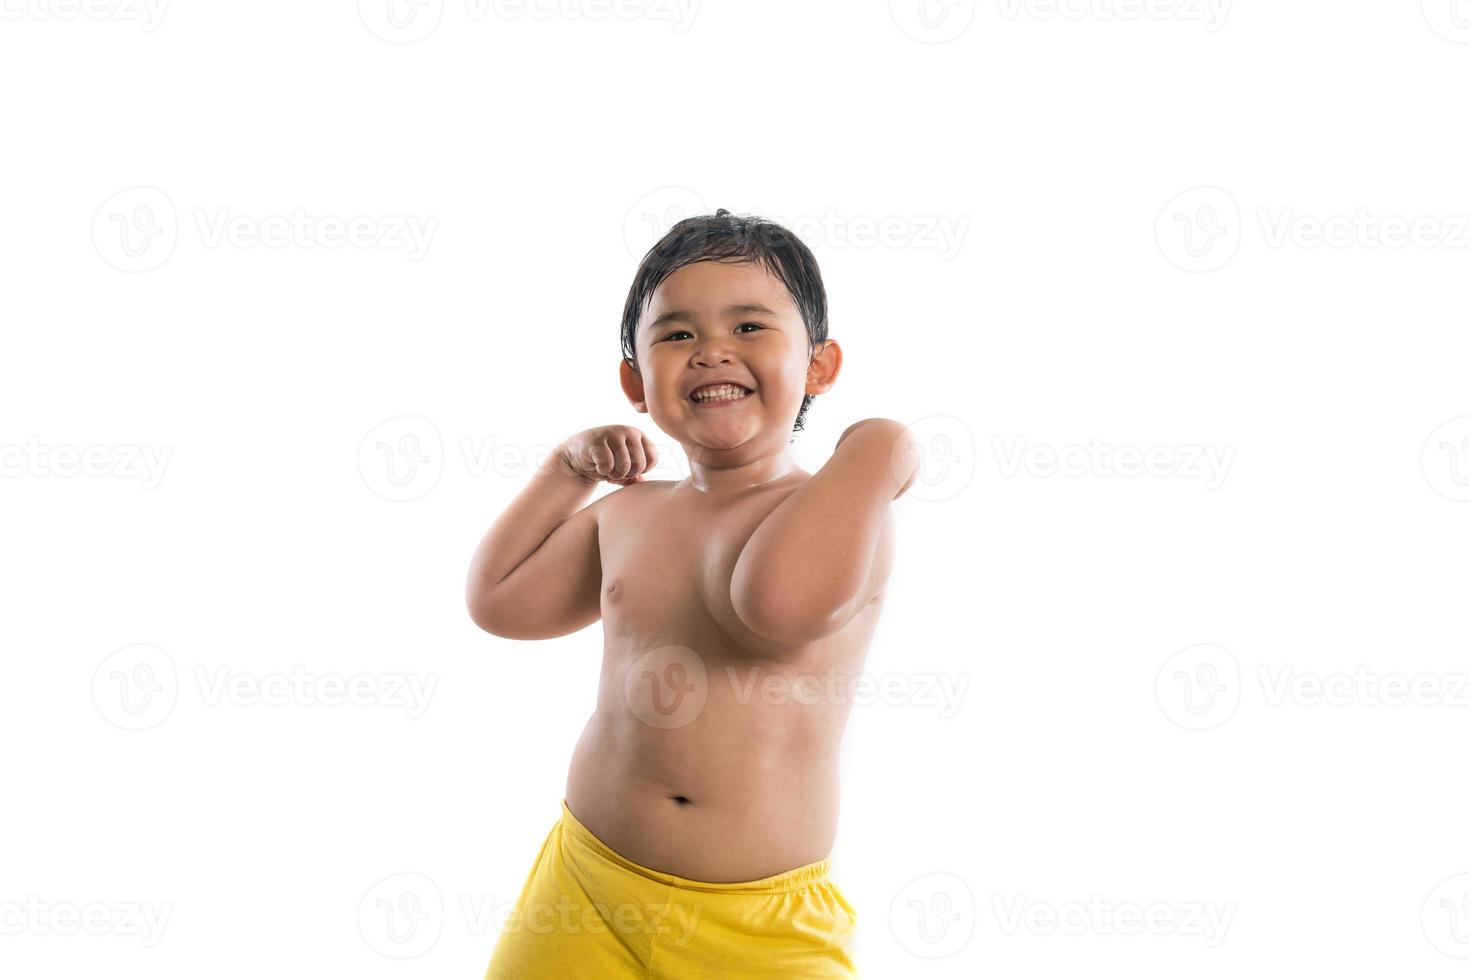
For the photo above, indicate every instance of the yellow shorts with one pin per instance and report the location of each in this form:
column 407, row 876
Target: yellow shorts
column 588, row 913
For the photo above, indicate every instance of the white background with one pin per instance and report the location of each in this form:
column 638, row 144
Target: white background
column 1122, row 741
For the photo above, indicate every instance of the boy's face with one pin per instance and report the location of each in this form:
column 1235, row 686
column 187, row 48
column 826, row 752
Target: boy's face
column 720, row 320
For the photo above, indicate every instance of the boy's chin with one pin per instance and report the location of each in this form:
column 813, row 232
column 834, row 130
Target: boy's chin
column 714, row 440
column 695, row 433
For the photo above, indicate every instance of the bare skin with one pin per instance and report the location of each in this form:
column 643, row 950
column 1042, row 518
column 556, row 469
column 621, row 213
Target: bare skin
column 744, row 790
column 737, row 605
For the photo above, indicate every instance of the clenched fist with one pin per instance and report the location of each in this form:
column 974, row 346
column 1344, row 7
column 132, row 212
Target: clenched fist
column 619, row 454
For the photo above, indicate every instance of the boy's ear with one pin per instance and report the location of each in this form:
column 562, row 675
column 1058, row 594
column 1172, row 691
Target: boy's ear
column 826, row 364
column 632, row 385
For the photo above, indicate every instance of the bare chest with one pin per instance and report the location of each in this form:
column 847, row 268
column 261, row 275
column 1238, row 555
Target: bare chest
column 667, row 566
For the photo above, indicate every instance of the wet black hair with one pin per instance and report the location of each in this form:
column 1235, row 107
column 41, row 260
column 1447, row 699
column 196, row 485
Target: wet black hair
column 725, row 237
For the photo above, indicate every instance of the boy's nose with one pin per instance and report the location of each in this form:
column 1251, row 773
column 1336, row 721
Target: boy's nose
column 711, row 355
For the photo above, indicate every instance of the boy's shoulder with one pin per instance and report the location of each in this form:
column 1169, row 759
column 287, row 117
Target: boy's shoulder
column 643, row 486
column 625, row 506
column 631, row 493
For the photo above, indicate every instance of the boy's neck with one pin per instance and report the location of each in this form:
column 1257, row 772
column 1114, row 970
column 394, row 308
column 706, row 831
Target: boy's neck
column 725, row 479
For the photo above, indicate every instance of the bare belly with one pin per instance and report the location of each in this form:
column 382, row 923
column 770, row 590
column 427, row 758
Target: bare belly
column 745, row 786
column 744, row 791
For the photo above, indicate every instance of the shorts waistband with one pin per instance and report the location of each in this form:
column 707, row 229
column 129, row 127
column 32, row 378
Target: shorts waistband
column 795, row 879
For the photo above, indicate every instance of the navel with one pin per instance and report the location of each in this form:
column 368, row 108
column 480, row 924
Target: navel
column 681, row 800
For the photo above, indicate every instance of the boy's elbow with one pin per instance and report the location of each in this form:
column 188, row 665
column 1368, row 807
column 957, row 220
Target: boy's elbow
column 480, row 618
column 480, row 610
column 786, row 622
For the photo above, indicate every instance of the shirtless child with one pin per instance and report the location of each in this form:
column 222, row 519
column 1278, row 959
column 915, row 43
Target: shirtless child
column 701, row 803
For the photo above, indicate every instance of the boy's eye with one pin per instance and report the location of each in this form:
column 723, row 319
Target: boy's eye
column 740, row 327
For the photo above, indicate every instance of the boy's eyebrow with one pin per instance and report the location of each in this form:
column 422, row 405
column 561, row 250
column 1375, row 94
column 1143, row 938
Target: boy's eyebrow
column 684, row 316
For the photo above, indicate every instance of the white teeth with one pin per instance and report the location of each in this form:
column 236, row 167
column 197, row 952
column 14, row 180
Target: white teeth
column 722, row 393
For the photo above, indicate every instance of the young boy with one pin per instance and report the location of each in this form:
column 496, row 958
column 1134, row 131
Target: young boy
column 701, row 803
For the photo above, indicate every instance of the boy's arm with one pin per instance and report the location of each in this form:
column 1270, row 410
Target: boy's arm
column 537, row 573
column 809, row 567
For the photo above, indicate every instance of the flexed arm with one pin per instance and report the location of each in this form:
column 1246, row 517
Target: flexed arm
column 537, row 572
column 812, row 563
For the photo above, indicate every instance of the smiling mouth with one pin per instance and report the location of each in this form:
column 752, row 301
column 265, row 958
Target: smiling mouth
column 722, row 396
